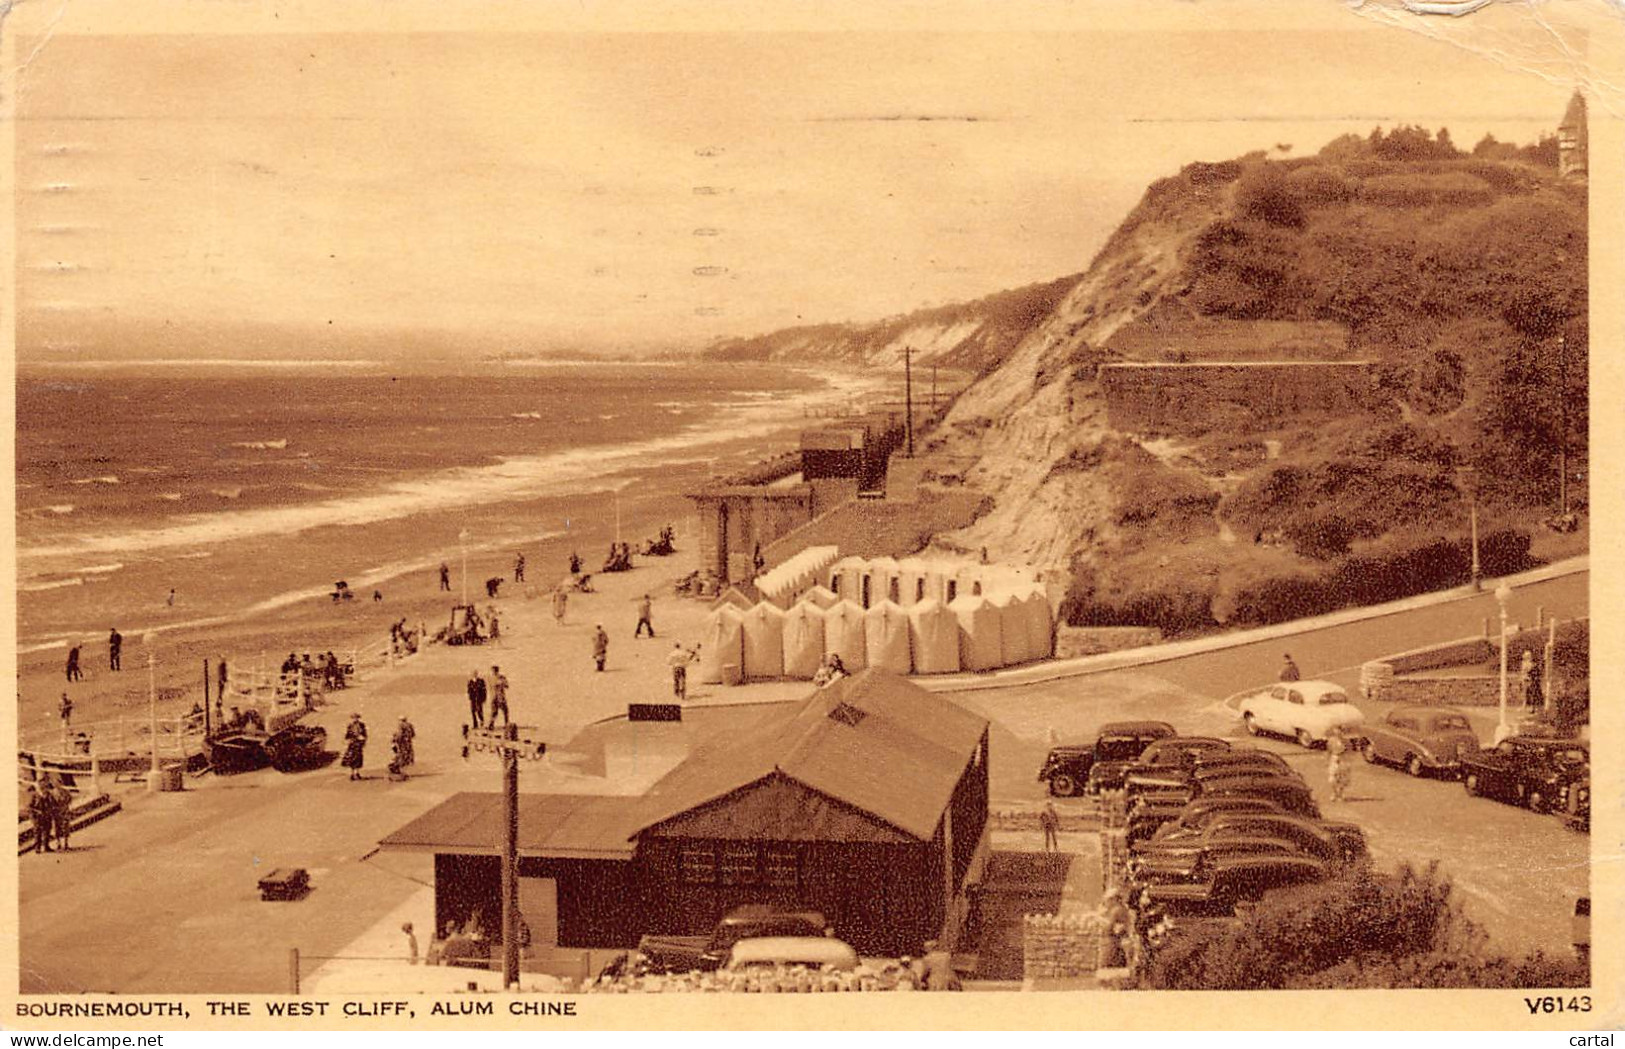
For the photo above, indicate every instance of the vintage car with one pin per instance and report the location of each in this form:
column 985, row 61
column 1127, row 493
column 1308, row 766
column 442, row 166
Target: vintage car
column 1329, row 840
column 1229, row 881
column 768, row 952
column 1421, row 740
column 1176, row 750
column 1305, row 710
column 1194, row 865
column 752, row 920
column 1242, row 761
column 1151, row 822
column 1577, row 813
column 1099, row 765
column 1203, row 782
column 1533, row 771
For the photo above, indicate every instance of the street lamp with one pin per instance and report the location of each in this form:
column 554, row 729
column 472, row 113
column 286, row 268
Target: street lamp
column 1469, row 475
column 462, row 542
column 149, row 641
column 1503, row 594
column 511, row 745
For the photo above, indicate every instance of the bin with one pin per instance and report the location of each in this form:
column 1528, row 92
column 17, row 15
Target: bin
column 169, row 778
column 732, row 674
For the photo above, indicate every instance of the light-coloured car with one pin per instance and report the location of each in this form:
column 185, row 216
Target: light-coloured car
column 1421, row 740
column 1305, row 710
column 766, row 952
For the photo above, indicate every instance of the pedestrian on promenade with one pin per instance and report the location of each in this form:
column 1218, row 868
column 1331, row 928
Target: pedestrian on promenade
column 61, row 814
column 1533, row 695
column 575, row 563
column 355, row 746
column 679, row 660
column 645, row 617
column 65, row 711
column 220, row 691
column 600, row 646
column 561, row 602
column 499, row 696
column 115, row 646
column 445, row 576
column 170, row 600
column 519, row 568
column 1289, row 669
column 411, row 943
column 1339, row 770
column 405, row 733
column 73, row 671
column 1050, row 820
column 39, row 810
column 476, row 700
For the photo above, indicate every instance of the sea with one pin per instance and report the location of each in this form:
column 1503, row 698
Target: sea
column 249, row 487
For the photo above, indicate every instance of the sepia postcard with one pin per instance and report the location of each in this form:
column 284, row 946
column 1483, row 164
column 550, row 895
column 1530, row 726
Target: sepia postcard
column 598, row 516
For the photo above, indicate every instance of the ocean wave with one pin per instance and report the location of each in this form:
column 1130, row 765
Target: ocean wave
column 101, row 569
column 49, row 584
column 276, row 445
column 201, row 362
column 171, row 497
column 518, row 477
column 61, row 508
column 227, row 493
column 106, row 479
column 524, row 415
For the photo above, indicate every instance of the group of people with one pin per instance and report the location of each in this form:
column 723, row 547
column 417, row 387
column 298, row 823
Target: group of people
column 479, row 690
column 665, row 545
column 355, row 747
column 115, row 652
column 326, row 669
column 830, row 670
column 402, row 642
column 50, row 806
column 619, row 559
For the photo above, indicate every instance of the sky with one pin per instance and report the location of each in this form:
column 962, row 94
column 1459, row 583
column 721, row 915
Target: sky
column 522, row 192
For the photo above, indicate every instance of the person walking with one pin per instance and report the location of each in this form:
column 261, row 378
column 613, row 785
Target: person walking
column 61, row 814
column 445, row 576
column 39, row 811
column 220, row 691
column 600, row 647
column 519, row 568
column 499, row 696
column 679, row 660
column 476, row 700
column 1289, row 669
column 561, row 602
column 1050, row 821
column 115, row 647
column 1338, row 769
column 575, row 563
column 73, row 671
column 405, row 733
column 645, row 617
column 65, row 712
column 355, row 746
column 1533, row 695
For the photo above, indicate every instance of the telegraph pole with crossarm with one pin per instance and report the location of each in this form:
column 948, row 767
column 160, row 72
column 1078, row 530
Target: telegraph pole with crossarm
column 511, row 745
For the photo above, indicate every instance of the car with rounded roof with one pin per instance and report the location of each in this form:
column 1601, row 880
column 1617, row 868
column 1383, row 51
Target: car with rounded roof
column 1535, row 771
column 1335, row 841
column 1307, row 711
column 768, row 952
column 1093, row 767
column 1229, row 881
column 1421, row 740
column 1150, row 822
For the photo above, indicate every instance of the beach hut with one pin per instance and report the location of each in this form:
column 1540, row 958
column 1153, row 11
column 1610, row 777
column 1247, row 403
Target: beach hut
column 885, row 635
column 733, row 597
column 843, row 635
column 821, row 596
column 882, row 574
column 724, row 645
column 1040, row 622
column 1013, row 645
column 803, row 639
column 846, row 578
column 980, row 647
column 934, row 637
column 970, row 581
column 764, row 641
column 912, row 573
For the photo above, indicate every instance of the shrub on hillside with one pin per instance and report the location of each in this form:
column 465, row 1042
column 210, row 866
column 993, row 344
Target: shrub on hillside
column 1417, row 190
column 1265, row 194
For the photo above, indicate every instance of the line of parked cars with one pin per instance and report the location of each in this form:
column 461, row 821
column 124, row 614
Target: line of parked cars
column 1540, row 773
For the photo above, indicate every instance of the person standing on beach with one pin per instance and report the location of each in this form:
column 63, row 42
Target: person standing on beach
column 445, row 576
column 679, row 660
column 600, row 647
column 115, row 644
column 61, row 815
column 39, row 810
column 519, row 568
column 645, row 612
column 575, row 563
column 220, row 693
column 1289, row 669
column 355, row 746
column 476, row 700
column 561, row 601
column 170, row 600
column 73, row 671
column 499, row 696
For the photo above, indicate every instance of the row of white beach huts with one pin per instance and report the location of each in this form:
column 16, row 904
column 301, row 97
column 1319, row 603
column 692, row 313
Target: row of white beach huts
column 914, row 616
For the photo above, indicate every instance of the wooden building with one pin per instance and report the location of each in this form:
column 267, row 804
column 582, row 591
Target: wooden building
column 866, row 801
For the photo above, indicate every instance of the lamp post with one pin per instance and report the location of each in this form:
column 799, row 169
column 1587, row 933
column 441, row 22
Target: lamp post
column 511, row 745
column 462, row 543
column 149, row 641
column 1469, row 475
column 1503, row 594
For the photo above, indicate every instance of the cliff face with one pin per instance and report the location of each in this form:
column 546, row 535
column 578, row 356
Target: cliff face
column 972, row 336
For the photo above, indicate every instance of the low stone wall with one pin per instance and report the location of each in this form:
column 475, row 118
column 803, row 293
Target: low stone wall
column 1066, row 946
column 1468, row 651
column 1025, row 820
column 1074, row 641
column 1460, row 690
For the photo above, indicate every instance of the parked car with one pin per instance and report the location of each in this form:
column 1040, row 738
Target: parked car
column 1151, row 823
column 752, row 920
column 767, row 952
column 1098, row 766
column 1528, row 770
column 1580, row 929
column 1421, row 740
column 1221, row 781
column 1176, row 750
column 1192, row 865
column 1228, row 882
column 1577, row 814
column 1236, row 761
column 1329, row 840
column 1305, row 710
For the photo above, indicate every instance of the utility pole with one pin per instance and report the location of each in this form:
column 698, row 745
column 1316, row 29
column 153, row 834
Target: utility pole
column 933, row 388
column 150, row 643
column 1563, row 439
column 507, row 742
column 908, row 396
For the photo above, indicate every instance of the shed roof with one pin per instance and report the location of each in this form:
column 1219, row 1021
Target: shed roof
column 556, row 826
column 874, row 741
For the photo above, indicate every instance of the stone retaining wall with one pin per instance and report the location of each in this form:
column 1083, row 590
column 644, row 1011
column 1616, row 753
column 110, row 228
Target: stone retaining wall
column 1067, row 946
column 1460, row 690
column 1074, row 641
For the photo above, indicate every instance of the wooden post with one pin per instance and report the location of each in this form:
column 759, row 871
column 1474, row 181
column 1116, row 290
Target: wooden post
column 293, row 970
column 208, row 726
column 510, row 860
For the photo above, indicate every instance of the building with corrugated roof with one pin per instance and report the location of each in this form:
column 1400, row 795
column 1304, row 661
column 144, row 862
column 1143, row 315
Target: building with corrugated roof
column 867, row 801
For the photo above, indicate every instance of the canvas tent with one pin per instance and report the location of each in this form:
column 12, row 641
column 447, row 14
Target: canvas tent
column 846, row 578
column 1013, row 647
column 934, row 637
column 764, row 641
column 844, row 636
column 882, row 575
column 724, row 644
column 1040, row 627
column 821, row 596
column 803, row 639
column 980, row 645
column 885, row 632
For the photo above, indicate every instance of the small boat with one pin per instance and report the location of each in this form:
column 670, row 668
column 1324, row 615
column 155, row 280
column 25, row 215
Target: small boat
column 297, row 747
column 288, row 750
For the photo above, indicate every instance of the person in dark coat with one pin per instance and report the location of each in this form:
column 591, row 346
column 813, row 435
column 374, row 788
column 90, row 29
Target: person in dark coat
column 74, row 674
column 355, row 746
column 115, row 648
column 61, row 815
column 499, row 696
column 1289, row 669
column 39, row 810
column 645, row 617
column 519, row 568
column 445, row 576
column 1533, row 694
column 476, row 700
column 600, row 647
column 65, row 709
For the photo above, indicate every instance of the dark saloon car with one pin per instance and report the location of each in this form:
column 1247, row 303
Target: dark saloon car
column 1229, row 881
column 752, row 920
column 1526, row 770
column 1330, row 840
column 1099, row 765
column 1150, row 822
column 1421, row 740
